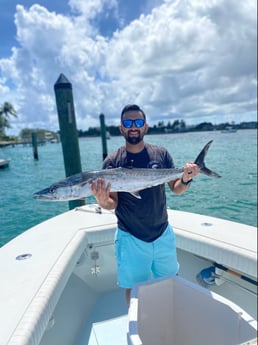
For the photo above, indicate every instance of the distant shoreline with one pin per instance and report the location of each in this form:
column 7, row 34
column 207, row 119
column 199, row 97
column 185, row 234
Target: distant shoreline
column 161, row 129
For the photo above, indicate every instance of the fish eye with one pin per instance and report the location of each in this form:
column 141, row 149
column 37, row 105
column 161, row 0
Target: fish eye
column 52, row 190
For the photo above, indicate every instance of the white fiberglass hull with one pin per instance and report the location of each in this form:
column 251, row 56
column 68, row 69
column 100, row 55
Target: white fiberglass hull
column 60, row 276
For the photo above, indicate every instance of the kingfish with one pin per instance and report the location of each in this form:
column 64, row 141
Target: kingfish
column 131, row 180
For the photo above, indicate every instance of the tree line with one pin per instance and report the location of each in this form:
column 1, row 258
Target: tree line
column 178, row 126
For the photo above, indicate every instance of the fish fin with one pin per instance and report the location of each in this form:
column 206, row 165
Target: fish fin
column 136, row 194
column 200, row 162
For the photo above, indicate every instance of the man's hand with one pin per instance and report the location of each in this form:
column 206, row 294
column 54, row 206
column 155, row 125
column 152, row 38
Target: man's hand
column 190, row 171
column 101, row 191
column 179, row 186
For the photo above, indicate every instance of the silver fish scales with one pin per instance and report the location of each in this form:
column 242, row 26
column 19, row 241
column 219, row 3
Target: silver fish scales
column 131, row 180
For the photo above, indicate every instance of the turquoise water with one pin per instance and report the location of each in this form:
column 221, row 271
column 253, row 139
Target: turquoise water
column 233, row 197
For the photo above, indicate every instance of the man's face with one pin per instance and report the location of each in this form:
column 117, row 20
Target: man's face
column 133, row 131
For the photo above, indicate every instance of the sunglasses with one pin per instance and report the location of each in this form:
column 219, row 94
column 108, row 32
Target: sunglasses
column 129, row 123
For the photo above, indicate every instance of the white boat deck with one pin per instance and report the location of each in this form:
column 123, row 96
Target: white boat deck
column 103, row 326
column 231, row 244
column 60, row 267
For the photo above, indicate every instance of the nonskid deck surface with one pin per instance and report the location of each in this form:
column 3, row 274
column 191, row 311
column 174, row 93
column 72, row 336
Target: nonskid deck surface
column 108, row 324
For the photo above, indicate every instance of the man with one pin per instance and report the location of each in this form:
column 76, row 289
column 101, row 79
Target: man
column 145, row 242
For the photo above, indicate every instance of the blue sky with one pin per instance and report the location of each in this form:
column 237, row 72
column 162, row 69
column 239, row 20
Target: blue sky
column 7, row 25
column 185, row 59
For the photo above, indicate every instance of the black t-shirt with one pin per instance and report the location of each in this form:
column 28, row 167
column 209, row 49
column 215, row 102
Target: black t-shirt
column 144, row 218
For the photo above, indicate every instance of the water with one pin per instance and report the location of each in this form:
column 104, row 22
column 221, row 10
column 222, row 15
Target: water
column 233, row 197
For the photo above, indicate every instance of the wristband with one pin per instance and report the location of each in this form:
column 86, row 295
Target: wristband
column 186, row 183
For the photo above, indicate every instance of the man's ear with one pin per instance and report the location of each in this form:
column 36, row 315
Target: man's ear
column 146, row 128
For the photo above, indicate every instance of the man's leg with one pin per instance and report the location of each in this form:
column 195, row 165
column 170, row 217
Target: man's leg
column 165, row 256
column 134, row 260
column 128, row 296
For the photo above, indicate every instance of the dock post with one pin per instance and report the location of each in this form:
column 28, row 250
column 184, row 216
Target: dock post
column 103, row 135
column 68, row 130
column 34, row 145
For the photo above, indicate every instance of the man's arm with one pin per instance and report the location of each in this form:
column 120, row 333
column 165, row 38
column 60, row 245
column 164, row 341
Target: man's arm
column 104, row 197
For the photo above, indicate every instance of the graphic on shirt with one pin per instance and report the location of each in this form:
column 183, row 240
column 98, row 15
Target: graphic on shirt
column 154, row 165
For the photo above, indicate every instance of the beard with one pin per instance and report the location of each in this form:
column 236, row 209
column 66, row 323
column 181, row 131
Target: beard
column 133, row 140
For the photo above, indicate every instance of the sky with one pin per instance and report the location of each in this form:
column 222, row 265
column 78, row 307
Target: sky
column 191, row 60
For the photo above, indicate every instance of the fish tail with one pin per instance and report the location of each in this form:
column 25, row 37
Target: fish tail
column 200, row 162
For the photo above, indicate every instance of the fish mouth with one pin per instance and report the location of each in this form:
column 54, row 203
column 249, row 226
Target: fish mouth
column 43, row 195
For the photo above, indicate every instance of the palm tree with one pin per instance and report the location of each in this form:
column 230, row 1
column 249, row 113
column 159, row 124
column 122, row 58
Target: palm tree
column 5, row 111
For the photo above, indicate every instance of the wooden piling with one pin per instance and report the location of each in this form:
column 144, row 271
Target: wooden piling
column 103, row 135
column 68, row 130
column 34, row 145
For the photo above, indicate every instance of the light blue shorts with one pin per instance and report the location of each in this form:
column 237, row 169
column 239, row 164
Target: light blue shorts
column 138, row 261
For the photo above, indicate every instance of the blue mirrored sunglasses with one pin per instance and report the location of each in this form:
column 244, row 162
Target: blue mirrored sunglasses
column 129, row 123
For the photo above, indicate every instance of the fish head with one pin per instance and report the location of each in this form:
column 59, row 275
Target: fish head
column 55, row 192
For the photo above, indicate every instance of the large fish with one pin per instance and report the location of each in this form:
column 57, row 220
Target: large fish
column 129, row 180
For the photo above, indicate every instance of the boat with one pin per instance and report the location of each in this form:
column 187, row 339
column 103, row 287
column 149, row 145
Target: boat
column 4, row 163
column 229, row 129
column 58, row 284
column 108, row 135
column 54, row 141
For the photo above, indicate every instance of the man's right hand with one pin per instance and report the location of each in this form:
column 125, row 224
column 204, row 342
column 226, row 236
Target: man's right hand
column 101, row 191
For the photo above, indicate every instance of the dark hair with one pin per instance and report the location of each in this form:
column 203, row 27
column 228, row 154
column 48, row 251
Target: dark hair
column 132, row 107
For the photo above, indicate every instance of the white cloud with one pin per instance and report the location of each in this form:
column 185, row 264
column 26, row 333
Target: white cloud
column 91, row 8
column 186, row 59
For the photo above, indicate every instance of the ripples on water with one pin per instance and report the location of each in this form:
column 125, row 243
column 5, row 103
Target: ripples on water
column 233, row 197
